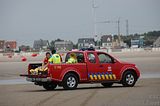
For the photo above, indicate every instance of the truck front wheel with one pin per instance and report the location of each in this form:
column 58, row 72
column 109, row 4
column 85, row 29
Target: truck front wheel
column 129, row 79
column 49, row 86
column 70, row 81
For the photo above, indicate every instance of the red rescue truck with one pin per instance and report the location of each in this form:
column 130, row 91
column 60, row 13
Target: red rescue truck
column 92, row 67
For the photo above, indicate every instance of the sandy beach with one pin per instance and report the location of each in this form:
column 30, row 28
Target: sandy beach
column 15, row 91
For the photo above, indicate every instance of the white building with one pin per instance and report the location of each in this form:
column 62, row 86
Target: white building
column 40, row 44
column 63, row 45
column 106, row 41
column 85, row 42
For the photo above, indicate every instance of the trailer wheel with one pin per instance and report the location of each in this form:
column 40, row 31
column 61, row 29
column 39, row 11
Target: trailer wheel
column 107, row 84
column 129, row 79
column 70, row 81
column 49, row 86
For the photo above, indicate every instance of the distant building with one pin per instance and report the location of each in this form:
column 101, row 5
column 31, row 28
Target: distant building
column 85, row 42
column 106, row 41
column 123, row 45
column 40, row 44
column 157, row 43
column 24, row 48
column 115, row 44
column 141, row 41
column 2, row 44
column 10, row 45
column 63, row 45
column 136, row 43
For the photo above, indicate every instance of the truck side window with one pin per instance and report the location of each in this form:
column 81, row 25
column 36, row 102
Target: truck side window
column 91, row 58
column 80, row 58
column 103, row 58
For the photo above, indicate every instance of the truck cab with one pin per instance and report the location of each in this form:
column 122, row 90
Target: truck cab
column 91, row 67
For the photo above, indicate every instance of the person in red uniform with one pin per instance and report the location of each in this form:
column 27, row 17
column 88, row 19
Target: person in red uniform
column 44, row 67
column 45, row 61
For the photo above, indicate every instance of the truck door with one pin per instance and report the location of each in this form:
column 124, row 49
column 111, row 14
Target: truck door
column 107, row 68
column 93, row 66
column 100, row 67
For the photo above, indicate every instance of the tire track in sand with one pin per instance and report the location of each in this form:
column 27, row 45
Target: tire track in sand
column 47, row 99
column 71, row 98
column 93, row 93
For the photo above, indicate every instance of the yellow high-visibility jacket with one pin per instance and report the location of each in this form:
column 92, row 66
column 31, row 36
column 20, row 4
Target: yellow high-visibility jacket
column 72, row 60
column 56, row 59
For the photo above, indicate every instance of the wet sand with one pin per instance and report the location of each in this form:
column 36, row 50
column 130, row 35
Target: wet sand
column 145, row 93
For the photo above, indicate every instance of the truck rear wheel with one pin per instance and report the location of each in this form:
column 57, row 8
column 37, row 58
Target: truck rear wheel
column 129, row 79
column 70, row 81
column 49, row 86
column 107, row 84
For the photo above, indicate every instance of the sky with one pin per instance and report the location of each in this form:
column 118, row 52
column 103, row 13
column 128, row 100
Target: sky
column 29, row 20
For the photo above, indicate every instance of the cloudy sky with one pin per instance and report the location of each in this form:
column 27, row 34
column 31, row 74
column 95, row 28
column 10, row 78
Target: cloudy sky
column 28, row 20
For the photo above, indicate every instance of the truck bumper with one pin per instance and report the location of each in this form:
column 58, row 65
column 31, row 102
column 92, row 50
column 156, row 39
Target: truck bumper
column 48, row 79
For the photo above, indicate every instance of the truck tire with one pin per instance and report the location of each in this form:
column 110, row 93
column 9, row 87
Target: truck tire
column 70, row 81
column 129, row 79
column 109, row 84
column 49, row 86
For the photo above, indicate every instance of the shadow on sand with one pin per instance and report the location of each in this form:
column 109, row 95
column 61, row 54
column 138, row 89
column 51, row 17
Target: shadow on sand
column 59, row 89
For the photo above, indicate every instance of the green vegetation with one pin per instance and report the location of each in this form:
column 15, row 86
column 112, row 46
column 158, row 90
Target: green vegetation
column 149, row 37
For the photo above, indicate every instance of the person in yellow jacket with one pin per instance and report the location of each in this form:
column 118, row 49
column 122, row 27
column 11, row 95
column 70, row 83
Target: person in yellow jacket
column 72, row 59
column 55, row 58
